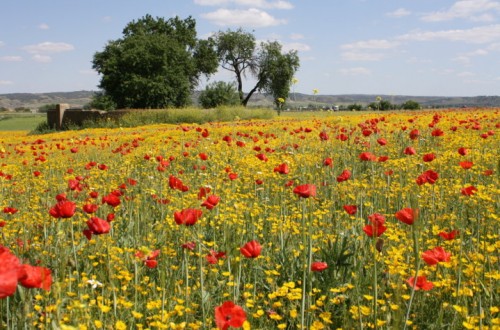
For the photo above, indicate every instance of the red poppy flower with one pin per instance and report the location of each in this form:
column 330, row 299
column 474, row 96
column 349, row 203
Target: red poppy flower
column 376, row 219
column 466, row 165
column 111, row 199
column 189, row 246
column 420, row 284
column 428, row 176
column 10, row 210
column 429, row 157
column 382, row 141
column 469, row 191
column 262, row 157
column 211, row 202
column 251, row 249
column 407, row 215
column 374, row 230
column 367, row 156
column 282, row 169
column 436, row 255
column 203, row 156
column 229, row 315
column 350, row 209
column 488, row 172
column 410, row 151
column 214, row 256
column 342, row 137
column 414, row 134
column 90, row 208
column 187, row 217
column 328, row 162
column 448, row 236
column 462, row 151
column 344, row 176
column 150, row 259
column 176, row 184
column 10, row 272
column 36, row 277
column 437, row 132
column 323, row 136
column 96, row 226
column 203, row 192
column 383, row 159
column 63, row 209
column 232, row 176
column 305, row 191
column 318, row 266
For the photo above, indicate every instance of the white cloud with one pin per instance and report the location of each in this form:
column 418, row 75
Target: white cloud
column 296, row 36
column 49, row 47
column 41, row 58
column 301, row 47
column 481, row 34
column 245, row 18
column 43, row 26
column 466, row 57
column 360, row 51
column 469, row 9
column 6, row 82
column 370, row 44
column 11, row 59
column 362, row 56
column 279, row 4
column 401, row 12
column 359, row 71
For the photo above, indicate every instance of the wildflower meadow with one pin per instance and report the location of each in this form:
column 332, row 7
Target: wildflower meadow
column 327, row 221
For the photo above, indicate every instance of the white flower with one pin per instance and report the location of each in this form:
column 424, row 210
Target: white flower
column 94, row 283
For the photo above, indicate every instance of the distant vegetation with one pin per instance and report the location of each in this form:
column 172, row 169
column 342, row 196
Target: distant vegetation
column 81, row 99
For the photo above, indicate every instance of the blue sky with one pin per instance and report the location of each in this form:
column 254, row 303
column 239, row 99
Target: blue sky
column 390, row 47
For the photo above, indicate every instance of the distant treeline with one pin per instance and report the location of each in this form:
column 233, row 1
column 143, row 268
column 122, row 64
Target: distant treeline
column 297, row 100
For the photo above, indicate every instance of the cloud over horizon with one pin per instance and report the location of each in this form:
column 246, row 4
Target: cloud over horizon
column 245, row 18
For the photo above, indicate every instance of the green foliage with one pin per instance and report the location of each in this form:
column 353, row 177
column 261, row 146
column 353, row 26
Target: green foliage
column 219, row 93
column 156, row 64
column 410, row 105
column 354, row 107
column 167, row 116
column 381, row 105
column 276, row 70
column 101, row 101
column 238, row 53
column 22, row 109
column 46, row 107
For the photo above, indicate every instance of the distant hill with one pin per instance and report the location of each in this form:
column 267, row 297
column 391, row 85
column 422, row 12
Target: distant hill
column 36, row 100
column 81, row 98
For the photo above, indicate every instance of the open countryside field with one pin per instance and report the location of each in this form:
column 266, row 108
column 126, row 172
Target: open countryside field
column 331, row 221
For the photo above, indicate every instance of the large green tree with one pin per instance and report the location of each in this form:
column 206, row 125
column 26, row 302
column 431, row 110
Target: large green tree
column 156, row 64
column 273, row 70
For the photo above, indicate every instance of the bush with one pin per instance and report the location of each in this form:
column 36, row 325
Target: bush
column 219, row 93
column 46, row 107
column 410, row 105
column 354, row 107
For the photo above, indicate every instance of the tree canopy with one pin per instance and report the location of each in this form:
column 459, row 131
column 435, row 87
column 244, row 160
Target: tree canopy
column 156, row 64
column 274, row 70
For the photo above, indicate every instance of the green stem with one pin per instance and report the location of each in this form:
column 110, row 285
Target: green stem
column 417, row 267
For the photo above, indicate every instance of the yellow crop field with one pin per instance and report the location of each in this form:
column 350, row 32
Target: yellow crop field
column 366, row 221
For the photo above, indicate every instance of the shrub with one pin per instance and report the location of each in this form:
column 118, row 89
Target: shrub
column 219, row 93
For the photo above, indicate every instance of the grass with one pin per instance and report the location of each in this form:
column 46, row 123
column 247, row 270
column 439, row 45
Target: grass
column 20, row 122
